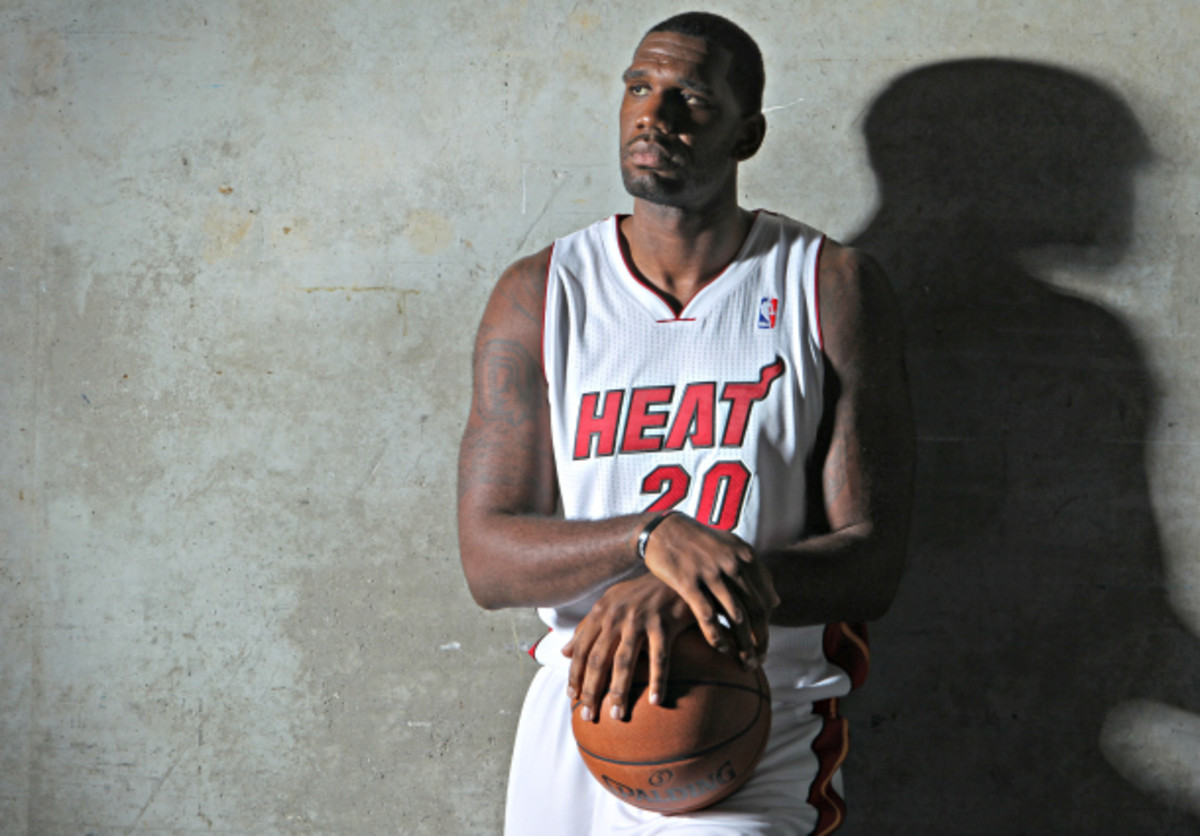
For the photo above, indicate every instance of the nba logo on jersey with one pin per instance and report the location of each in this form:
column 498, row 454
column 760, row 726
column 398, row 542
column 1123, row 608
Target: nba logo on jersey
column 767, row 309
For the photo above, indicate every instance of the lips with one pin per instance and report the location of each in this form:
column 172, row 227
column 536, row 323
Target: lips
column 647, row 153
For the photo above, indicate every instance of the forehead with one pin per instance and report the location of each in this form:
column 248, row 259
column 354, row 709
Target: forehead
column 680, row 55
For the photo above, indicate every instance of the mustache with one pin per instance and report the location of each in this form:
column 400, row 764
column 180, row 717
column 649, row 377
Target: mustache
column 675, row 153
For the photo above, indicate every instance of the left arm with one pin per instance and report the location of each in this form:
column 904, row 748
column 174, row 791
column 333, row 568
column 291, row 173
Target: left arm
column 864, row 461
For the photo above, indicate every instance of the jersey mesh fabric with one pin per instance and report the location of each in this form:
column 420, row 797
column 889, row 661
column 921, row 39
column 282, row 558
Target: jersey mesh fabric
column 712, row 411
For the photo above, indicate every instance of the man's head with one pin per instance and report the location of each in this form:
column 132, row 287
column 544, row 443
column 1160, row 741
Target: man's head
column 692, row 111
column 746, row 74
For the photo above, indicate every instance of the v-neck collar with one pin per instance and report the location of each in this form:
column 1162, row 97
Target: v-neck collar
column 654, row 300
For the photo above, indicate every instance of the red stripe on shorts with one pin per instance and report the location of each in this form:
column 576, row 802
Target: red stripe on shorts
column 830, row 747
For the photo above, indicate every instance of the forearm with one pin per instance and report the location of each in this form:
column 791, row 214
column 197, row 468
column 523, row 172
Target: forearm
column 523, row 560
column 848, row 575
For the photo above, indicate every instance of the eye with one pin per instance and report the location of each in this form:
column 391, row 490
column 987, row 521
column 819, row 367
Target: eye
column 693, row 99
column 638, row 88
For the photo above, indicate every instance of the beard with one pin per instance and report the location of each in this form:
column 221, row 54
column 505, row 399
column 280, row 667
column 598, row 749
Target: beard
column 651, row 186
column 676, row 181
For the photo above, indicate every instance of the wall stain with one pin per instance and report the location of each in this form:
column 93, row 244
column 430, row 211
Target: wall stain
column 226, row 229
column 428, row 232
column 402, row 294
column 585, row 20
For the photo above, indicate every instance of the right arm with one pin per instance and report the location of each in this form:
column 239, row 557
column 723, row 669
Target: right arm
column 514, row 552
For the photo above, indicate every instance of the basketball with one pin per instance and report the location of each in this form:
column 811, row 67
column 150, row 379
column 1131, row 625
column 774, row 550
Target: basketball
column 696, row 747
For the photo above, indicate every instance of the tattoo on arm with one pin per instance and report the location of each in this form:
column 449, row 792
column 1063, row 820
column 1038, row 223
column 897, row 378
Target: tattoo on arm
column 508, row 384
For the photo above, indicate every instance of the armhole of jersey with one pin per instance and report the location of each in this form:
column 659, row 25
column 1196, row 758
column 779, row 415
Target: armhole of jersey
column 545, row 307
column 813, row 296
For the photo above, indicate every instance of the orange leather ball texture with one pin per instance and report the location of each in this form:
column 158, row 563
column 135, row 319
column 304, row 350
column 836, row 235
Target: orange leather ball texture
column 696, row 747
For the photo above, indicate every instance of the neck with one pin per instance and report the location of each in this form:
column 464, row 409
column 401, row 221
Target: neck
column 679, row 251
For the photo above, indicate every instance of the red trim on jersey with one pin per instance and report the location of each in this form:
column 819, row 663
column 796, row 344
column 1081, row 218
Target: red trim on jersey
column 846, row 645
column 545, row 296
column 817, row 293
column 667, row 300
column 830, row 746
column 533, row 648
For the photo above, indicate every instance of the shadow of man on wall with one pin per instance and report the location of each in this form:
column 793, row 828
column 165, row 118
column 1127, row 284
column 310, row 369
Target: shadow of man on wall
column 1034, row 603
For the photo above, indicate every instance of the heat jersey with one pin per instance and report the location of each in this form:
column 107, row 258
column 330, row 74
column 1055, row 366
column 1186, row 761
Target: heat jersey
column 713, row 411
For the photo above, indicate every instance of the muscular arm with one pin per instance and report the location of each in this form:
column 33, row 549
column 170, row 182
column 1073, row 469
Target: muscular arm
column 514, row 552
column 864, row 461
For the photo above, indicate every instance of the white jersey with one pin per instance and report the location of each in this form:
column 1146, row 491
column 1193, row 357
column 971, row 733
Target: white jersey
column 713, row 412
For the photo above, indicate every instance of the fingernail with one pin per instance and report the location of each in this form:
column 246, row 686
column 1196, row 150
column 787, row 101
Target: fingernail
column 654, row 697
column 585, row 714
column 616, row 712
column 571, row 692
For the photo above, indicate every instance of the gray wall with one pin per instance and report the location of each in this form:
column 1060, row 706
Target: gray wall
column 244, row 249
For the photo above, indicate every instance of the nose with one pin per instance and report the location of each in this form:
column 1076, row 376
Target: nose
column 660, row 112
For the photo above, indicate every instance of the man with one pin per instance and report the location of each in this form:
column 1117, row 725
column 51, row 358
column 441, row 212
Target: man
column 716, row 399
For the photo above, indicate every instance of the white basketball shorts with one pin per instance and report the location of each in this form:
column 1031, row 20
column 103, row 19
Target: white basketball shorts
column 795, row 791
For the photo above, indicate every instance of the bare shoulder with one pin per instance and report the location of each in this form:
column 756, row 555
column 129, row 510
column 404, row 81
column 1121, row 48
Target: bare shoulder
column 505, row 461
column 858, row 307
column 520, row 293
column 507, row 359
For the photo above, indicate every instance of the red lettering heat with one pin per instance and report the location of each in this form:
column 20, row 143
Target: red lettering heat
column 742, row 397
column 694, row 420
column 641, row 418
column 601, row 425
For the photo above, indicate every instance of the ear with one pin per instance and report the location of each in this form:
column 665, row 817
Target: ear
column 749, row 137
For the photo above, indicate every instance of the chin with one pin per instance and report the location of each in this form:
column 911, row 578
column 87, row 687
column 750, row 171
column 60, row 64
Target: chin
column 652, row 188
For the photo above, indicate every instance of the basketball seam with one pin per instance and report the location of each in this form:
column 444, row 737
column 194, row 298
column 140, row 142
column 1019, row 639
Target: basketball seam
column 688, row 755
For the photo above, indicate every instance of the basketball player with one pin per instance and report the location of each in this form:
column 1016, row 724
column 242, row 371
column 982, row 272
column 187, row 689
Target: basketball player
column 716, row 399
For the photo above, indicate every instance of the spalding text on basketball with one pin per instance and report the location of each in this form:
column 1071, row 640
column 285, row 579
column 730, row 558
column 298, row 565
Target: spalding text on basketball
column 671, row 795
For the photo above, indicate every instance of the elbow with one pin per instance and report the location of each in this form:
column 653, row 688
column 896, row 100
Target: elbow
column 484, row 594
column 484, row 572
column 482, row 588
column 888, row 570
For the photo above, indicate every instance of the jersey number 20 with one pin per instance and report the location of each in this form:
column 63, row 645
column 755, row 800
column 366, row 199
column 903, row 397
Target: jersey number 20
column 722, row 492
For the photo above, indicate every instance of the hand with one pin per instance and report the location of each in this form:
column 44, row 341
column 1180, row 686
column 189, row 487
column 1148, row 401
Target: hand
column 631, row 615
column 715, row 573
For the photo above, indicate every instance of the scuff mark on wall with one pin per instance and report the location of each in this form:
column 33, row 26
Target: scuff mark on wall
column 225, row 229
column 429, row 232
column 402, row 294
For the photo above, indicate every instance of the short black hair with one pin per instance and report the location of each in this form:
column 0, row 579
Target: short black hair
column 746, row 74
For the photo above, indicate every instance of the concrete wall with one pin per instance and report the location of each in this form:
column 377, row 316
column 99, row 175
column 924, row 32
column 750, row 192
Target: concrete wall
column 244, row 249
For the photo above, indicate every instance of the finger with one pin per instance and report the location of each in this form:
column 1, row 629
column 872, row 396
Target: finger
column 728, row 600
column 580, row 645
column 761, row 636
column 744, row 640
column 624, row 663
column 658, row 653
column 595, row 679
column 738, row 622
column 706, row 617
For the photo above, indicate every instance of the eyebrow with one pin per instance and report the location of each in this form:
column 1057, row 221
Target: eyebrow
column 690, row 83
